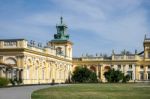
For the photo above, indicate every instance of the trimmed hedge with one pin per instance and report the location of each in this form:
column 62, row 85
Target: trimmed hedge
column 3, row 82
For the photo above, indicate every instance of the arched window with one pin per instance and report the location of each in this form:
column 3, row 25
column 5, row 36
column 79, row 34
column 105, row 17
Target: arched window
column 11, row 61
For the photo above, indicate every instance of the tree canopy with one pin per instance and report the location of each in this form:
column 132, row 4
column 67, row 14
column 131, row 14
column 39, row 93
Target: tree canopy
column 83, row 74
column 114, row 76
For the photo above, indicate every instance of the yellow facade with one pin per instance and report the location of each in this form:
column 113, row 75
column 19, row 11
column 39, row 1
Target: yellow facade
column 137, row 65
column 38, row 65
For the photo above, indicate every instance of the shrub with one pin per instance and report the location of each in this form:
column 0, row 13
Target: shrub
column 16, row 81
column 3, row 82
column 12, row 82
column 83, row 74
column 93, row 77
column 126, row 78
column 113, row 76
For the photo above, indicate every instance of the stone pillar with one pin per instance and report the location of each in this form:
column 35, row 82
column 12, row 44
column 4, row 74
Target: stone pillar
column 145, row 72
column 136, row 72
column 12, row 74
column 18, row 74
column 99, row 71
column 66, row 55
column 133, row 73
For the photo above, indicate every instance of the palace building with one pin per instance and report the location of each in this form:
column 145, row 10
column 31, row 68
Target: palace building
column 37, row 64
column 136, row 65
column 34, row 63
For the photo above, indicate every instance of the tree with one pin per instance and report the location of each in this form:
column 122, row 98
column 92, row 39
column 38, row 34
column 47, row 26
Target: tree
column 83, row 74
column 114, row 76
column 126, row 78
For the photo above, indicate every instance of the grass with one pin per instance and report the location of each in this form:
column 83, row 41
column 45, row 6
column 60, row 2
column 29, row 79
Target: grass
column 95, row 91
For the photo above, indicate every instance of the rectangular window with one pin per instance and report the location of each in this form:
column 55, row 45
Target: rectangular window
column 141, row 76
column 130, row 74
column 112, row 66
column 130, row 66
column 141, row 67
column 148, row 76
column 119, row 66
column 149, row 55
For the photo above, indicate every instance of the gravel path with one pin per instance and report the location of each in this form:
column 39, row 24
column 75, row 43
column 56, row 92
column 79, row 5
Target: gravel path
column 23, row 92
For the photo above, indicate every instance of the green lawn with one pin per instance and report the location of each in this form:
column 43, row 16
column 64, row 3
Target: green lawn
column 95, row 91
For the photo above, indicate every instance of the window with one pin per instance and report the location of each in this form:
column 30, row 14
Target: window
column 130, row 74
column 141, row 76
column 130, row 66
column 59, row 50
column 149, row 76
column 141, row 67
column 112, row 66
column 149, row 55
column 119, row 66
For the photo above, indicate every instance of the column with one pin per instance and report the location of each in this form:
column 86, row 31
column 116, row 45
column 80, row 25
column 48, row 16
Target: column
column 145, row 72
column 99, row 75
column 101, row 71
column 66, row 51
column 136, row 72
column 133, row 69
column 97, row 71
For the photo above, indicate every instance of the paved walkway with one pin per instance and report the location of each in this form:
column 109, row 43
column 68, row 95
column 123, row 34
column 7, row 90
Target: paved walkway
column 23, row 92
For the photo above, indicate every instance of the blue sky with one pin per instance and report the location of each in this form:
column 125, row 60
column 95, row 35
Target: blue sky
column 95, row 26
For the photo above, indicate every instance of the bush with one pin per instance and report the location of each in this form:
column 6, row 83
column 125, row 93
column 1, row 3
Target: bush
column 12, row 82
column 113, row 76
column 84, row 75
column 126, row 78
column 3, row 82
column 16, row 81
column 93, row 77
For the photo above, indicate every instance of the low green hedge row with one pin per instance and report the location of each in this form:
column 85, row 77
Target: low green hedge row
column 3, row 82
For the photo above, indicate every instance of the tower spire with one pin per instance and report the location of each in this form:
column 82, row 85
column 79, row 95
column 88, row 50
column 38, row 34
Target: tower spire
column 61, row 31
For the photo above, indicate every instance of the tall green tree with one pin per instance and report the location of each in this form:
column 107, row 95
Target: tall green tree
column 114, row 76
column 83, row 74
